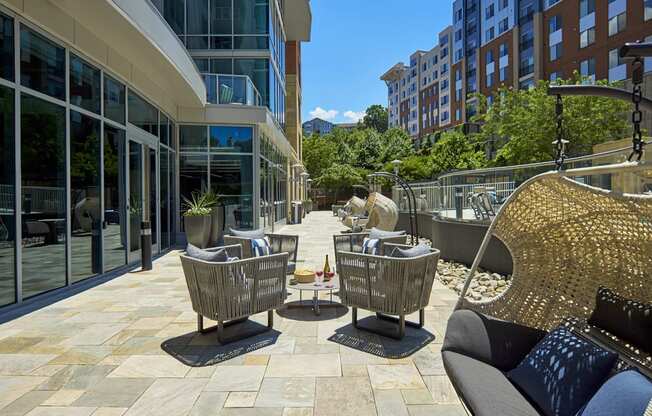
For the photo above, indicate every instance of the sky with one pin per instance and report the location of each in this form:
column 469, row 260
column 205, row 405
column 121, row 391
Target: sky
column 354, row 42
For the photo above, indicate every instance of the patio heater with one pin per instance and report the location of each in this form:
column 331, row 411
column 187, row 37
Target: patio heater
column 412, row 201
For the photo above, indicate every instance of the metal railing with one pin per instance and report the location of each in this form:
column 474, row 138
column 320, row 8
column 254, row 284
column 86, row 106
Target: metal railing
column 231, row 89
column 442, row 195
column 35, row 199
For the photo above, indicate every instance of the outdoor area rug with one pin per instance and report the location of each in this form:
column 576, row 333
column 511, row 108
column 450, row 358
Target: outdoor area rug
column 384, row 347
column 202, row 350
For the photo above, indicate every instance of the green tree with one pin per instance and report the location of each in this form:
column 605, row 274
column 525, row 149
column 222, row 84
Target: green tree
column 454, row 151
column 527, row 119
column 319, row 153
column 376, row 117
column 340, row 178
column 414, row 168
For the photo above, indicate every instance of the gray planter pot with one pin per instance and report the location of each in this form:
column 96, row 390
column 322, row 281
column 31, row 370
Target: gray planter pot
column 198, row 230
column 217, row 226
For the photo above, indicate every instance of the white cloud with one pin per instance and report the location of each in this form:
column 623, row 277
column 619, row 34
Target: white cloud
column 354, row 116
column 324, row 114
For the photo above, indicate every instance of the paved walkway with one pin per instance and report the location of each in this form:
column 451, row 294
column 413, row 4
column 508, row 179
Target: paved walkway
column 99, row 353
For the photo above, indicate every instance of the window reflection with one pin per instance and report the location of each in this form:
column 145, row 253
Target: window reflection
column 114, row 100
column 42, row 64
column 43, row 205
column 6, row 47
column 7, row 198
column 232, row 179
column 85, row 83
column 85, row 196
column 231, row 139
column 115, row 238
column 142, row 114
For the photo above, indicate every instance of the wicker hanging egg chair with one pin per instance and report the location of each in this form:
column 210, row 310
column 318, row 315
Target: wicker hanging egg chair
column 566, row 240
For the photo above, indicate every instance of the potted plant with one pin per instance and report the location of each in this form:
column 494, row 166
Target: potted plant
column 213, row 202
column 197, row 219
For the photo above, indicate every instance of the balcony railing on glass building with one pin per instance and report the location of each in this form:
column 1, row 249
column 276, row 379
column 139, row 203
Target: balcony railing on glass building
column 231, row 89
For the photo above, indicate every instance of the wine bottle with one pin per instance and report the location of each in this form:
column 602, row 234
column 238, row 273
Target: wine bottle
column 327, row 267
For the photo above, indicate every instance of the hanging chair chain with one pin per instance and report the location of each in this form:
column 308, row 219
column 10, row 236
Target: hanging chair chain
column 637, row 114
column 559, row 144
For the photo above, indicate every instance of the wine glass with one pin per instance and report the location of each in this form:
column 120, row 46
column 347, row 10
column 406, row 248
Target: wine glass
column 320, row 277
column 330, row 275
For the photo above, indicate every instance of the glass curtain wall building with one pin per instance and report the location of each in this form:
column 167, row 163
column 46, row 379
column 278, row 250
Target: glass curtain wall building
column 109, row 116
column 76, row 177
column 234, row 38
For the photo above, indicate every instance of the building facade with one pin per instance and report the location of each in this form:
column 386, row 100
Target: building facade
column 317, row 126
column 114, row 110
column 516, row 43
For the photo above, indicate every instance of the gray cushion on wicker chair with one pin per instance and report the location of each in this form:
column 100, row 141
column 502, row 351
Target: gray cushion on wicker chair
column 376, row 233
column 255, row 234
column 496, row 342
column 417, row 251
column 218, row 256
column 484, row 388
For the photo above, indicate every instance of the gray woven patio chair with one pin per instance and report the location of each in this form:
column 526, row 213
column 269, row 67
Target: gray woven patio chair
column 352, row 242
column 388, row 286
column 280, row 243
column 231, row 292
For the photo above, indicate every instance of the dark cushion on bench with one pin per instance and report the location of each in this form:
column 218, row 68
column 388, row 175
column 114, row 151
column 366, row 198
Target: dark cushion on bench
column 625, row 318
column 485, row 389
column 493, row 341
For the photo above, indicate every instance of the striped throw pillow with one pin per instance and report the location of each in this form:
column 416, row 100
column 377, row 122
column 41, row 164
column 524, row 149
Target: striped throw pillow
column 261, row 247
column 370, row 245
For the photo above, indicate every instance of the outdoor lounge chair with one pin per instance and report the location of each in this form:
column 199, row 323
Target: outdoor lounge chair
column 389, row 286
column 230, row 292
column 280, row 243
column 352, row 242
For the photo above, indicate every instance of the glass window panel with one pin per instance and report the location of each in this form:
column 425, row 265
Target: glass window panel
column 165, row 199
column 231, row 139
column 193, row 138
column 221, row 17
column 142, row 114
column 173, row 135
column 197, row 42
column 114, row 100
column 258, row 71
column 135, row 205
column 85, row 83
column 251, row 42
column 6, row 47
column 173, row 12
column 251, row 17
column 197, row 17
column 164, row 130
column 85, row 196
column 202, row 64
column 115, row 230
column 232, row 179
column 42, row 64
column 43, row 205
column 193, row 175
column 221, row 66
column 221, row 42
column 7, row 198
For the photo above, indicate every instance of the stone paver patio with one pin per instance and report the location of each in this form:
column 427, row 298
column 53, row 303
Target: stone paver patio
column 99, row 353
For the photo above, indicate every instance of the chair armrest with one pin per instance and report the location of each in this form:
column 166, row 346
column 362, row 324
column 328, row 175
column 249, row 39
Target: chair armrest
column 498, row 343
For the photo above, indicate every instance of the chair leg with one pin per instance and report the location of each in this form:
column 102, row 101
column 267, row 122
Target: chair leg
column 220, row 332
column 270, row 319
column 401, row 326
column 354, row 317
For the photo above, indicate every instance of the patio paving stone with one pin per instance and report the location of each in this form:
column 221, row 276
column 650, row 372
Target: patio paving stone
column 286, row 392
column 236, row 378
column 99, row 353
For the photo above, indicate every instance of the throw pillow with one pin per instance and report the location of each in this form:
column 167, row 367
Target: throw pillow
column 416, row 251
column 370, row 246
column 260, row 233
column 625, row 318
column 376, row 233
column 261, row 247
column 218, row 256
column 562, row 372
column 626, row 394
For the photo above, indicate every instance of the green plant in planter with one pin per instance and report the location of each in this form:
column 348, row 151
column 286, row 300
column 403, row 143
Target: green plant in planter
column 197, row 205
